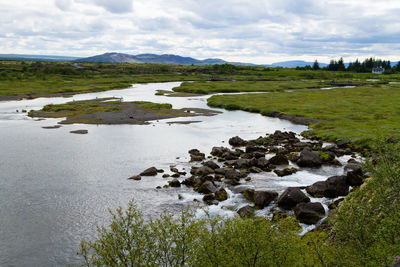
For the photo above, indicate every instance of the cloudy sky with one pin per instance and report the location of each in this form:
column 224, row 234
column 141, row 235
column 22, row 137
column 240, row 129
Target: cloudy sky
column 257, row 31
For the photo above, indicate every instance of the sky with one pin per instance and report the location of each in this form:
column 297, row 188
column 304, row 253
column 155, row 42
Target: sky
column 254, row 31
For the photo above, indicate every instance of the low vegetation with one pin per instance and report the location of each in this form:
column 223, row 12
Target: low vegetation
column 362, row 232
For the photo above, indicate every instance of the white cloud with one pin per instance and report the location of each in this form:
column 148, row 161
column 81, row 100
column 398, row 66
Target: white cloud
column 260, row 31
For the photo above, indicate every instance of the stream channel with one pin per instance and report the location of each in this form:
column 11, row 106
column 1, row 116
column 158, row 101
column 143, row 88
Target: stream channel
column 56, row 187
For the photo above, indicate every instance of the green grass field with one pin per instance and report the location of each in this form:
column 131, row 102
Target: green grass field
column 356, row 114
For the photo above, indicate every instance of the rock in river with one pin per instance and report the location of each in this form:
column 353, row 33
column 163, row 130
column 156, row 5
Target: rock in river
column 291, row 197
column 237, row 141
column 309, row 159
column 135, row 177
column 152, row 171
column 174, row 183
column 309, row 213
column 263, row 198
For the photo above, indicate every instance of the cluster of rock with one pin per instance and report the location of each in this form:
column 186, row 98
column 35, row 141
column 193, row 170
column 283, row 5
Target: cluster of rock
column 228, row 167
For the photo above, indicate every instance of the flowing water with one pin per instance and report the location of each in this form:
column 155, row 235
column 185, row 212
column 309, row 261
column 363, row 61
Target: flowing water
column 55, row 187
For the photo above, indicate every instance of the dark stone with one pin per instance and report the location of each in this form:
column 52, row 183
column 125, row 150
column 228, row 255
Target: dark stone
column 221, row 171
column 79, row 132
column 135, row 177
column 263, row 198
column 336, row 186
column 221, row 195
column 246, row 211
column 230, row 155
column 317, row 189
column 232, row 174
column 279, row 159
column 209, row 197
column 285, row 172
column 309, row 159
column 237, row 141
column 262, row 163
column 196, row 155
column 354, row 174
column 291, row 197
column 211, row 164
column 252, row 149
column 207, row 187
column 242, row 163
column 258, row 154
column 309, row 213
column 166, row 175
column 174, row 183
column 202, row 171
column 152, row 171
column 176, row 175
column 173, row 169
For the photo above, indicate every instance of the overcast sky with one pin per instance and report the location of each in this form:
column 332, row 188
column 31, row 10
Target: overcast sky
column 256, row 31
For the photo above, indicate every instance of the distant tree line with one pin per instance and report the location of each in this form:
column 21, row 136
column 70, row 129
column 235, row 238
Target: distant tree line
column 366, row 66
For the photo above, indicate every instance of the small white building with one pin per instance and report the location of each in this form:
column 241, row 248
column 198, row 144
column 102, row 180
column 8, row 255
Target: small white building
column 378, row 70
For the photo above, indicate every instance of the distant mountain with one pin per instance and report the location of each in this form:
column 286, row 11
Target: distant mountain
column 294, row 64
column 36, row 57
column 150, row 58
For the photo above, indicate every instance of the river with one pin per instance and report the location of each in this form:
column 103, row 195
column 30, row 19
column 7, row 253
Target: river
column 55, row 187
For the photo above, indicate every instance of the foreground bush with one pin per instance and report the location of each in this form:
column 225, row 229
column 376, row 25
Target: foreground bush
column 364, row 231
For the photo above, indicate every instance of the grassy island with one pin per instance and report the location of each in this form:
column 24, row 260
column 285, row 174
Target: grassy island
column 114, row 111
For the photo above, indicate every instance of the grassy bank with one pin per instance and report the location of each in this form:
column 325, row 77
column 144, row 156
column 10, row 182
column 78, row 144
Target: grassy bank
column 205, row 87
column 343, row 114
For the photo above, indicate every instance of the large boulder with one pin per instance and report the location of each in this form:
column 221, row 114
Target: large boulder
column 317, row 189
column 211, row 164
column 152, row 171
column 354, row 174
column 279, row 159
column 308, row 158
column 263, row 198
column 202, row 171
column 237, row 141
column 291, row 197
column 336, row 186
column 246, row 211
column 309, row 213
column 207, row 187
column 242, row 163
